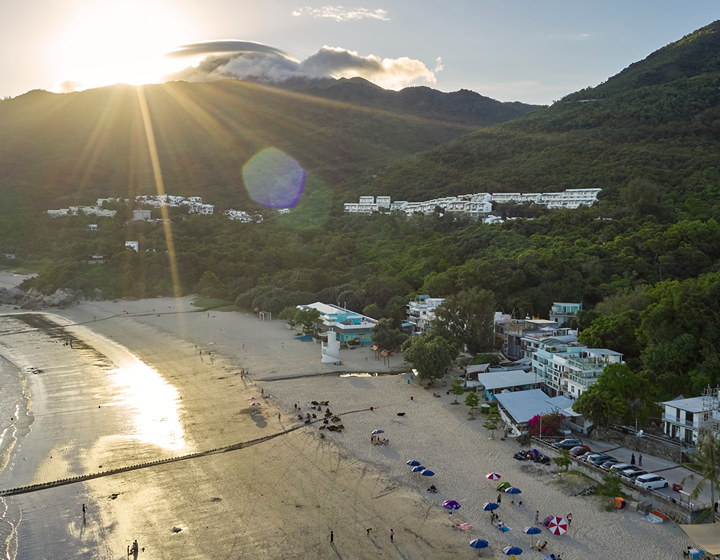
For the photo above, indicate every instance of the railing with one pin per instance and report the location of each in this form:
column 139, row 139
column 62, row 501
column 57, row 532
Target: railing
column 674, row 420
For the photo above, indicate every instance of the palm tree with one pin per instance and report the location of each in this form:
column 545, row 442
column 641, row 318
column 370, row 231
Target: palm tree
column 707, row 462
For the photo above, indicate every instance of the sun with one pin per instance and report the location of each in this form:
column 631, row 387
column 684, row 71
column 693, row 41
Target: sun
column 106, row 42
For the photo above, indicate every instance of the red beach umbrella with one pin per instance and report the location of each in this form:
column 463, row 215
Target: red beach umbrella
column 558, row 526
column 492, row 476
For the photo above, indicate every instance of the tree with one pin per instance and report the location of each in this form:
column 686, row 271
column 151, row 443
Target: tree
column 493, row 421
column 472, row 400
column 306, row 317
column 386, row 337
column 564, row 460
column 288, row 314
column 468, row 318
column 706, row 460
column 430, row 354
column 618, row 395
column 617, row 332
column 457, row 390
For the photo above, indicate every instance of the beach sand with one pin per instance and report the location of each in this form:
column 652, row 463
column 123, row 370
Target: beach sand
column 280, row 498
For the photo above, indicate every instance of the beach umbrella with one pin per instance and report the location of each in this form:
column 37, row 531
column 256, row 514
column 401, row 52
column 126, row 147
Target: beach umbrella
column 427, row 472
column 492, row 476
column 512, row 490
column 450, row 504
column 376, row 432
column 558, row 526
column 503, row 485
column 254, row 404
column 251, row 398
column 413, row 463
column 479, row 543
column 489, row 506
column 512, row 550
column 418, row 468
column 531, row 531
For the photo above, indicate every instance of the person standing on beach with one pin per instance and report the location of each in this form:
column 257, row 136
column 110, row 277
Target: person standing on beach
column 84, row 509
column 368, row 531
column 332, row 537
column 499, row 499
column 243, row 345
column 537, row 518
column 569, row 518
column 392, row 534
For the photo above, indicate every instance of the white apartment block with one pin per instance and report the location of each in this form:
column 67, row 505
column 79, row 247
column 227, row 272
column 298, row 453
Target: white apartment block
column 570, row 198
column 421, row 312
column 475, row 205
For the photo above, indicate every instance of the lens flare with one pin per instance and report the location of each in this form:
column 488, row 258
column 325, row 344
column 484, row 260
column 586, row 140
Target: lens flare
column 274, row 179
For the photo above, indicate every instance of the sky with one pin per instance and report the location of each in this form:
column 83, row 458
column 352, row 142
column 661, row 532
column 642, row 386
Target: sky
column 512, row 50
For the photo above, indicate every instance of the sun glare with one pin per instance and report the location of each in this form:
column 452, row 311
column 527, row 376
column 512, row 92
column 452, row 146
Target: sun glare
column 106, row 42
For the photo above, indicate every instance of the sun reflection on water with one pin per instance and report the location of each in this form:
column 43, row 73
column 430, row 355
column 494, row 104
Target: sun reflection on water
column 156, row 420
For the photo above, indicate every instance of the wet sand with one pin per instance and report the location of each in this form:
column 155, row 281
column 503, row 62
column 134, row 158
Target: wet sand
column 281, row 499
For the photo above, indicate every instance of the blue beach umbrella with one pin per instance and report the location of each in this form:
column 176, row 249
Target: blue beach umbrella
column 489, row 506
column 532, row 531
column 419, row 468
column 512, row 490
column 451, row 504
column 479, row 543
column 427, row 472
column 413, row 463
column 376, row 432
column 512, row 550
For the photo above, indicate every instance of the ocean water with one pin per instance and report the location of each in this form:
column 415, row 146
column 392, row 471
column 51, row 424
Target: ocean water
column 15, row 422
column 62, row 406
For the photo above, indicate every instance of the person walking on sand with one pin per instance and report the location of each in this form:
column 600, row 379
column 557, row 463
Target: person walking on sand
column 392, row 534
column 569, row 518
column 332, row 537
column 279, row 417
column 84, row 509
column 368, row 531
column 537, row 518
column 499, row 499
column 243, row 345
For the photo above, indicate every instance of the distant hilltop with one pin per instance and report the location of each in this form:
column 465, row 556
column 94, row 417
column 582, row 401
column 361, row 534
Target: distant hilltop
column 476, row 205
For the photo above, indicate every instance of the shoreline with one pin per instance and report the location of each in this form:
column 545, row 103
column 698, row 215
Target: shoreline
column 281, row 498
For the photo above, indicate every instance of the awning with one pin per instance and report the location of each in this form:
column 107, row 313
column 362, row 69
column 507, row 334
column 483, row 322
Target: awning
column 705, row 536
column 407, row 324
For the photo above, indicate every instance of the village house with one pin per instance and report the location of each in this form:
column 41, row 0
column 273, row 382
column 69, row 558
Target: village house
column 685, row 419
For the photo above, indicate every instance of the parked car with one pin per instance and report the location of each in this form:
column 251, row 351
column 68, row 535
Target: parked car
column 632, row 474
column 597, row 461
column 579, row 450
column 584, row 456
column 567, row 444
column 620, row 467
column 609, row 463
column 588, row 458
column 651, row 481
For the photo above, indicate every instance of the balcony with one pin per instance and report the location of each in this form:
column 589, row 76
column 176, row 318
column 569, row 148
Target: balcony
column 676, row 422
column 584, row 381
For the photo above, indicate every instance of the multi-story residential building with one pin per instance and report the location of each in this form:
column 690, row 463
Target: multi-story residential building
column 473, row 205
column 421, row 312
column 685, row 419
column 576, row 369
column 570, row 198
column 512, row 331
column 562, row 312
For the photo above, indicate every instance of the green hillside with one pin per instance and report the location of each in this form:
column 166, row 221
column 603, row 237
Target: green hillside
column 56, row 149
column 658, row 120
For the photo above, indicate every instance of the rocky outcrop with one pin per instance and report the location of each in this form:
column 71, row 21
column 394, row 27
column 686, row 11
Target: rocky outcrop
column 36, row 299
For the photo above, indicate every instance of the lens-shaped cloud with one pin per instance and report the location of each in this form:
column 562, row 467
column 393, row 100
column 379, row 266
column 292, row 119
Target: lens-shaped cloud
column 262, row 63
column 274, row 179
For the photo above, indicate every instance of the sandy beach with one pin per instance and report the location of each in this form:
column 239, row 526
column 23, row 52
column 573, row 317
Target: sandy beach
column 152, row 394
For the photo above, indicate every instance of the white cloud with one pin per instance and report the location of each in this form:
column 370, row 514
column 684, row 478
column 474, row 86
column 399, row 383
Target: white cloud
column 328, row 62
column 341, row 13
column 439, row 66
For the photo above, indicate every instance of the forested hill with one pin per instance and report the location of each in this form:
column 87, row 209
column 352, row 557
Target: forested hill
column 659, row 120
column 57, row 150
column 464, row 106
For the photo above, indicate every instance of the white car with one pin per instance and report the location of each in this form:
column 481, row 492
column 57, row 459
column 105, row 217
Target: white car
column 651, row 481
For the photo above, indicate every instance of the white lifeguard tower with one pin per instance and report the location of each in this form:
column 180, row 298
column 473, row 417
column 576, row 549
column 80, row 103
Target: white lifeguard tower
column 330, row 353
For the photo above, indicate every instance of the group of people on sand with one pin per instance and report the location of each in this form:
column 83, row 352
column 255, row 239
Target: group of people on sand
column 375, row 440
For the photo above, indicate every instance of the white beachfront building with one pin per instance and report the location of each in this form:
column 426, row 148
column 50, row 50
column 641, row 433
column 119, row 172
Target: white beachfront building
column 685, row 419
column 421, row 312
